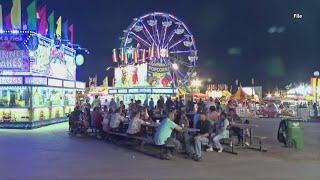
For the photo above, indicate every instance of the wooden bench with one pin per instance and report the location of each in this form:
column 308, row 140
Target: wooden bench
column 229, row 141
column 260, row 142
column 147, row 140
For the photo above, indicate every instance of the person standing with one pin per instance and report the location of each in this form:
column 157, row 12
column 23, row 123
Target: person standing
column 96, row 103
column 151, row 104
column 315, row 109
column 113, row 105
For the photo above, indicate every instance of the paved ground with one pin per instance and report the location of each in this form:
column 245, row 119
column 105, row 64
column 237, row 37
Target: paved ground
column 49, row 153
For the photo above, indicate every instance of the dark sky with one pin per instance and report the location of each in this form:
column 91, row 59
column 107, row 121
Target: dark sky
column 217, row 25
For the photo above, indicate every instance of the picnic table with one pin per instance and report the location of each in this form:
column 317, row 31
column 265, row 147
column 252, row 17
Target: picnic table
column 243, row 127
column 192, row 130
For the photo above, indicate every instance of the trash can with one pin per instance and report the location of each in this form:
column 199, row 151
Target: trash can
column 295, row 133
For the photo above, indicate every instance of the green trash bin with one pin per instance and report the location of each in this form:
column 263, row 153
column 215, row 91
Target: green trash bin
column 295, row 133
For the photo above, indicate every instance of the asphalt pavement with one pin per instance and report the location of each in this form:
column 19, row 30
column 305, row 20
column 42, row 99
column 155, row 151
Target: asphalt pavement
column 49, row 153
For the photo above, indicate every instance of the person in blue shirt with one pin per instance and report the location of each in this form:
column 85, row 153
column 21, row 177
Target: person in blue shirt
column 163, row 134
column 151, row 104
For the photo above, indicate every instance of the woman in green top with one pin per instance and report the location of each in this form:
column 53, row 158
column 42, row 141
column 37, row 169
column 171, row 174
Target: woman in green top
column 222, row 131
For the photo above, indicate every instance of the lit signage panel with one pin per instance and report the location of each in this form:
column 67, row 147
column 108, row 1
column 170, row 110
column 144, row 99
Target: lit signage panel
column 80, row 85
column 68, row 84
column 11, row 80
column 14, row 56
column 54, row 82
column 35, row 80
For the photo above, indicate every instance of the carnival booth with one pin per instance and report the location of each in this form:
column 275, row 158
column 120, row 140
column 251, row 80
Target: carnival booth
column 37, row 80
column 157, row 57
column 219, row 91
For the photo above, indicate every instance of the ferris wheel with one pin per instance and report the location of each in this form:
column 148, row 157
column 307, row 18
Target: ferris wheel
column 165, row 40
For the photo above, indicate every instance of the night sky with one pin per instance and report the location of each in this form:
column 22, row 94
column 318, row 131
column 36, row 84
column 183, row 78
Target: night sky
column 233, row 37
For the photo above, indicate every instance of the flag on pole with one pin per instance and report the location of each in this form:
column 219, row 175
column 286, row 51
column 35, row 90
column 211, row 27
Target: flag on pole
column 51, row 25
column 151, row 52
column 158, row 52
column 136, row 55
column 71, row 33
column 58, row 30
column 16, row 14
column 121, row 55
column 43, row 25
column 32, row 16
column 1, row 21
column 114, row 55
column 125, row 58
column 143, row 56
column 7, row 21
column 65, row 31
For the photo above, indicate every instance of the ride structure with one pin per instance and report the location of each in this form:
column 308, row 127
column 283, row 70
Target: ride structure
column 157, row 57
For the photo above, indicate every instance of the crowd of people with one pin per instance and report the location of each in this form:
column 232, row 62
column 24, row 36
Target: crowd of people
column 173, row 119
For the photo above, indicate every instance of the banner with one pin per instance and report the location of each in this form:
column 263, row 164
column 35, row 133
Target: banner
column 16, row 14
column 32, row 16
column 58, row 30
column 51, row 25
column 13, row 54
column 159, row 75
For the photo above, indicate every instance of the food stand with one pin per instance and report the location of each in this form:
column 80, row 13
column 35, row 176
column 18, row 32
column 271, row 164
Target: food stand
column 37, row 80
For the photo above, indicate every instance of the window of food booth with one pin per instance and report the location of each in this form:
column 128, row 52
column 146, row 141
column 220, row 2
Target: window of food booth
column 14, row 96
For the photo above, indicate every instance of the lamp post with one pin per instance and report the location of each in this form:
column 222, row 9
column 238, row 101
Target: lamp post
column 316, row 75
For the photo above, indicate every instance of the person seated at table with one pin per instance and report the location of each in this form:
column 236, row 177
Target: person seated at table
column 144, row 114
column 163, row 134
column 221, row 132
column 195, row 119
column 201, row 138
column 116, row 119
column 213, row 115
column 184, row 136
column 235, row 119
column 135, row 123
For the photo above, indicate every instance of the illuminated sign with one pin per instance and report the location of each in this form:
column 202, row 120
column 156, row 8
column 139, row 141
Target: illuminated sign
column 163, row 91
column 142, row 91
column 54, row 62
column 35, row 80
column 113, row 91
column 122, row 91
column 131, row 76
column 69, row 84
column 133, row 90
column 80, row 85
column 145, row 90
column 159, row 68
column 11, row 80
column 54, row 82
column 13, row 53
